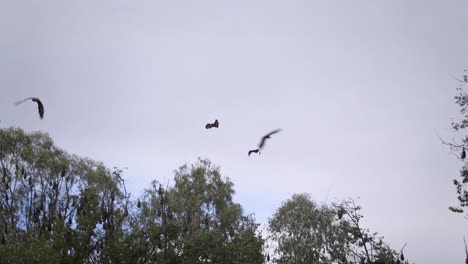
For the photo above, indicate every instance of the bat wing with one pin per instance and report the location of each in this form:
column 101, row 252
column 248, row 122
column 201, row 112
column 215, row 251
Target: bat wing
column 262, row 142
column 40, row 107
column 264, row 138
column 22, row 101
column 273, row 132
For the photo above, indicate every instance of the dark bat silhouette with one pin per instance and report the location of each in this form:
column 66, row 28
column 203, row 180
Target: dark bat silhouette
column 267, row 136
column 463, row 154
column 254, row 151
column 262, row 141
column 341, row 212
column 40, row 106
column 215, row 124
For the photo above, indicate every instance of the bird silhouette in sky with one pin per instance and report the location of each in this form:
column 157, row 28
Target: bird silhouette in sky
column 215, row 124
column 263, row 141
column 40, row 106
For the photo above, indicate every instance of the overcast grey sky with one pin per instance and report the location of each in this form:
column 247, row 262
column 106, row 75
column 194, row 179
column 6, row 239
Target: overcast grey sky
column 359, row 88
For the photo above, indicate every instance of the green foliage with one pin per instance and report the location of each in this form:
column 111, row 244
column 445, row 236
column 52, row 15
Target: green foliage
column 54, row 207
column 305, row 232
column 60, row 208
column 461, row 184
column 196, row 221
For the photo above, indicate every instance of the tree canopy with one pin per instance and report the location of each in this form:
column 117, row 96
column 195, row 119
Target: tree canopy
column 306, row 232
column 60, row 208
column 55, row 207
column 195, row 221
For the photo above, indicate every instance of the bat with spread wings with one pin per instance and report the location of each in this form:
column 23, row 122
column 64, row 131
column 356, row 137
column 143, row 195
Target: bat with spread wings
column 263, row 141
column 40, row 106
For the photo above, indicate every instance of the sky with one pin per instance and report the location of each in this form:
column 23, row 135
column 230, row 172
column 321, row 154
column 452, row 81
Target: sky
column 361, row 89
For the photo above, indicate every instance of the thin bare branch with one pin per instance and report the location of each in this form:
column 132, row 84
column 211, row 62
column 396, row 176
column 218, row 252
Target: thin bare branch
column 456, row 78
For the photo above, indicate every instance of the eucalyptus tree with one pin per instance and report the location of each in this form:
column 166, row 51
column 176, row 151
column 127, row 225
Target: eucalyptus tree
column 55, row 207
column 195, row 221
column 61, row 208
column 305, row 232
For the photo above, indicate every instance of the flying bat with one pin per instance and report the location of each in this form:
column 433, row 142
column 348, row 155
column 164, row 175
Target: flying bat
column 262, row 141
column 215, row 124
column 267, row 136
column 254, row 151
column 40, row 106
column 463, row 154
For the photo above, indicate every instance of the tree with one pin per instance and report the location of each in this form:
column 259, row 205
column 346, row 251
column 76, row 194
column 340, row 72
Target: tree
column 305, row 232
column 367, row 247
column 195, row 221
column 60, row 208
column 55, row 207
column 459, row 146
